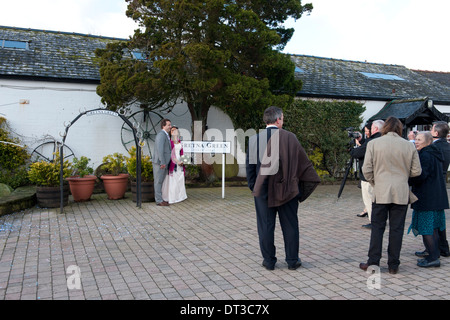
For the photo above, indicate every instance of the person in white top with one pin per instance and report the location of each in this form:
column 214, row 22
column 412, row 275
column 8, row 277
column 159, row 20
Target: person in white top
column 174, row 189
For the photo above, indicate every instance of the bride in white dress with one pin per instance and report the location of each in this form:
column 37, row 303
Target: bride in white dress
column 173, row 188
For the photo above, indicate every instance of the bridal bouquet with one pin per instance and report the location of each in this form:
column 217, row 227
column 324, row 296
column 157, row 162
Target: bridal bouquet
column 185, row 159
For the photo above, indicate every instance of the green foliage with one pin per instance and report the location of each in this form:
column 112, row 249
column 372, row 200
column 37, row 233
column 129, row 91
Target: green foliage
column 15, row 178
column 12, row 156
column 13, row 159
column 317, row 159
column 192, row 171
column 146, row 165
column 81, row 167
column 320, row 127
column 219, row 52
column 47, row 174
column 115, row 163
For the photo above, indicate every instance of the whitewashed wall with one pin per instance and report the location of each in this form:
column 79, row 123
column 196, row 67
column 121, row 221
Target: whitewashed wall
column 39, row 110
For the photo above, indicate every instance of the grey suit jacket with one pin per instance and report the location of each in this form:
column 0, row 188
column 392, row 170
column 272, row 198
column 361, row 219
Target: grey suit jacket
column 162, row 149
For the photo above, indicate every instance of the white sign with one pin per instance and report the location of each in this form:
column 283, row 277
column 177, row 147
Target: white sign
column 206, row 146
column 108, row 112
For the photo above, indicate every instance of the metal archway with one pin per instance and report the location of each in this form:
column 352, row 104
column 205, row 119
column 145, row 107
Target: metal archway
column 101, row 111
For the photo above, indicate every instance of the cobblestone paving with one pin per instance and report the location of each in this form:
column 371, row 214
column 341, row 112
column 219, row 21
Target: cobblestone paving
column 204, row 248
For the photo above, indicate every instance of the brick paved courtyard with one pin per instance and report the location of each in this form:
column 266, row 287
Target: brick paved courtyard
column 204, row 248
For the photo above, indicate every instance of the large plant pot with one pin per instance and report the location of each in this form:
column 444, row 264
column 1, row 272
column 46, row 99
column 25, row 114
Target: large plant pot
column 147, row 191
column 50, row 197
column 82, row 188
column 115, row 186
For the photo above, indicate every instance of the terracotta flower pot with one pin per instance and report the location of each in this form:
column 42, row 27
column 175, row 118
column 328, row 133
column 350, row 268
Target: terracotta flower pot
column 115, row 186
column 82, row 188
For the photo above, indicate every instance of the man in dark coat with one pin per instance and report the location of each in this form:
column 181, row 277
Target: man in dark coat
column 274, row 174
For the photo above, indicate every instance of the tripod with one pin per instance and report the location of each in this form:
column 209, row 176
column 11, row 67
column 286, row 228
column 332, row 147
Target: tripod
column 347, row 171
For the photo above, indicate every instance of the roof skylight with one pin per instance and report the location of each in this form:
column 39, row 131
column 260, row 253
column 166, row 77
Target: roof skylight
column 382, row 76
column 13, row 44
column 299, row 70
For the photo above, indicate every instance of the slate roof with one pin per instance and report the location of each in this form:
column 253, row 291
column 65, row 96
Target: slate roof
column 333, row 78
column 411, row 111
column 51, row 55
column 62, row 56
column 441, row 77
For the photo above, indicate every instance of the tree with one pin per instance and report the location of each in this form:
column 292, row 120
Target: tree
column 217, row 52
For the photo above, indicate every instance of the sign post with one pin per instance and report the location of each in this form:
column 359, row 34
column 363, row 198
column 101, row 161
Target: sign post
column 214, row 147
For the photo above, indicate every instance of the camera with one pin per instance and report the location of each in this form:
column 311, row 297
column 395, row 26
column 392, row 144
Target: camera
column 352, row 134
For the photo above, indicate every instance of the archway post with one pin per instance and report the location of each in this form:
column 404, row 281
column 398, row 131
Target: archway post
column 100, row 111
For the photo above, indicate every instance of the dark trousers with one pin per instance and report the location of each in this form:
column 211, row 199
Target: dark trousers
column 266, row 218
column 380, row 213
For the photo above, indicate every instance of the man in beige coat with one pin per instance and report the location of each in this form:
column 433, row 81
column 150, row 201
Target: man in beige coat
column 389, row 162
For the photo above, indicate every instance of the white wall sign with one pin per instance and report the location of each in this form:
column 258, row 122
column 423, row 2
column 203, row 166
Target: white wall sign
column 206, row 146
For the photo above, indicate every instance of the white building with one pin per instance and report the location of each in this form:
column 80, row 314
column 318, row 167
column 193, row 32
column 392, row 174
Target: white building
column 47, row 78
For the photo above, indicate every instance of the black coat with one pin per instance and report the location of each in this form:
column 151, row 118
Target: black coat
column 360, row 152
column 444, row 146
column 430, row 186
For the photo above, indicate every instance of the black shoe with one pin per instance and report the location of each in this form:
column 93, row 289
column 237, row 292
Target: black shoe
column 367, row 226
column 421, row 254
column 296, row 265
column 424, row 263
column 445, row 254
column 267, row 266
column 362, row 214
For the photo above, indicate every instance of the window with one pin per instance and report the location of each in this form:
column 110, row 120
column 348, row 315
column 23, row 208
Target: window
column 298, row 70
column 139, row 55
column 14, row 44
column 382, row 76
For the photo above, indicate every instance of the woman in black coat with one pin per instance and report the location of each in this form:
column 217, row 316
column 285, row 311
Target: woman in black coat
column 430, row 188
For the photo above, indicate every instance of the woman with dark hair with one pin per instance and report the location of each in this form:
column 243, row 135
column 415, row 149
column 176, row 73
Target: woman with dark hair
column 428, row 212
column 392, row 124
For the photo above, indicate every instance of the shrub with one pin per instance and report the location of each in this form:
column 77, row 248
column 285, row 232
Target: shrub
column 80, row 167
column 114, row 164
column 45, row 173
column 13, row 159
column 146, row 165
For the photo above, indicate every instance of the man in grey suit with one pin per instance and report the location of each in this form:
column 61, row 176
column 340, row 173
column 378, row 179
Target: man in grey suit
column 161, row 159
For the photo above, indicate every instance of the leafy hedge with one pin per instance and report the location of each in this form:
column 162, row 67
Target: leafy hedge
column 320, row 127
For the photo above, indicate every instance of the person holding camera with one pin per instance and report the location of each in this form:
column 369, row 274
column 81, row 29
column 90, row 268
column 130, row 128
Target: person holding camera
column 359, row 153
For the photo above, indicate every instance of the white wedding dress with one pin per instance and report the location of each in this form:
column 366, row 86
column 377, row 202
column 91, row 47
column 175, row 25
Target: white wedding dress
column 173, row 188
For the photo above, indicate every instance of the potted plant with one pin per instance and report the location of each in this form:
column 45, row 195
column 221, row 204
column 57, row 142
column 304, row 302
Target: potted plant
column 46, row 176
column 82, row 182
column 147, row 187
column 116, row 179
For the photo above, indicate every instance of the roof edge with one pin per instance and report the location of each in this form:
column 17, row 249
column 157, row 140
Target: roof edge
column 62, row 32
